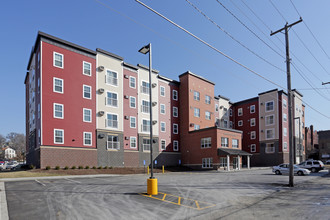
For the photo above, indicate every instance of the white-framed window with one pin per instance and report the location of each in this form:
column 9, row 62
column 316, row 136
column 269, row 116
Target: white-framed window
column 162, row 91
column 58, row 136
column 208, row 115
column 252, row 108
column 87, row 115
column 253, row 122
column 253, row 148
column 284, row 103
column 58, row 85
column 253, row 135
column 269, row 120
column 132, row 122
column 145, row 87
column 132, row 102
column 285, row 118
column 112, row 99
column 145, row 125
column 240, row 123
column 216, row 107
column 87, row 138
column 285, row 146
column 113, row 142
column 224, row 142
column 234, row 143
column 223, row 161
column 111, row 78
column 145, row 107
column 58, row 60
column 196, row 112
column 132, row 142
column 175, row 95
column 132, row 82
column 175, row 128
column 270, row 148
column 207, row 162
column 162, row 126
column 196, row 127
column 87, row 92
column 146, row 144
column 196, row 96
column 163, row 144
column 162, row 109
column 175, row 145
column 87, row 68
column 269, row 106
column 206, row 142
column 285, row 132
column 207, row 99
column 175, row 112
column 58, row 111
column 112, row 120
column 270, row 134
column 240, row 111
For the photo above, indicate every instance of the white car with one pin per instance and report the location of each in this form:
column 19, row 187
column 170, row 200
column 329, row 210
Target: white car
column 284, row 169
column 11, row 165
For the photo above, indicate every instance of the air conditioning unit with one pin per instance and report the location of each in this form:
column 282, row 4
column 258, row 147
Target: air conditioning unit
column 126, row 96
column 101, row 113
column 101, row 135
column 262, row 117
column 154, row 122
column 101, row 90
column 221, row 107
column 261, row 103
column 262, row 131
column 126, row 138
column 126, row 76
column 101, row 68
column 126, row 117
column 154, row 85
column 191, row 125
column 154, row 103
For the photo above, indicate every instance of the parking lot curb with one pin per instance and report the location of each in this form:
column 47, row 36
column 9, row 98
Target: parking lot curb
column 56, row 177
column 3, row 203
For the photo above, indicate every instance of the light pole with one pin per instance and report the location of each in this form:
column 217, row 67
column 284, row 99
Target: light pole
column 152, row 188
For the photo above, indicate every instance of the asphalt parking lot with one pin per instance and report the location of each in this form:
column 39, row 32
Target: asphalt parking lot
column 192, row 195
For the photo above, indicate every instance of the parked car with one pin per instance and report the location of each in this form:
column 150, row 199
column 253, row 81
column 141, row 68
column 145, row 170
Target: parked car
column 284, row 169
column 327, row 162
column 11, row 164
column 313, row 165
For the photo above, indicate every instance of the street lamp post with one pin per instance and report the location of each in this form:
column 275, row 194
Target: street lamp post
column 152, row 181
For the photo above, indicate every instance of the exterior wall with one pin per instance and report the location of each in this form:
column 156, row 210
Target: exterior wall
column 298, row 115
column 222, row 113
column 324, row 145
column 284, row 126
column 175, row 120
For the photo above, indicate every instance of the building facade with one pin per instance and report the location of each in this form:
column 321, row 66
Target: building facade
column 324, row 145
column 311, row 143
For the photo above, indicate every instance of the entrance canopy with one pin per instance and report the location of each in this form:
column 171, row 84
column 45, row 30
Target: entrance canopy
column 233, row 152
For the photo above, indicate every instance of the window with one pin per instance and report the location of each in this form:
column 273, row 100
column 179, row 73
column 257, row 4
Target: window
column 240, row 112
column 269, row 106
column 132, row 82
column 196, row 127
column 234, row 143
column 87, row 115
column 285, row 146
column 225, row 111
column 223, row 162
column 252, row 122
column 285, row 132
column 176, row 145
column 163, row 144
column 113, row 142
column 240, row 123
column 87, row 68
column 252, row 109
column 175, row 128
column 230, row 124
column 58, row 60
column 145, row 107
column 112, row 121
column 253, row 148
column 112, row 99
column 284, row 103
column 230, row 112
column 145, row 87
column 196, row 112
column 146, row 144
column 39, row 111
column 208, row 115
column 58, row 85
column 162, row 91
column 132, row 142
column 269, row 120
column 253, row 135
column 206, row 142
column 270, row 148
column 207, row 162
column 58, row 136
column 132, row 122
column 87, row 92
column 196, row 96
column 132, row 102
column 88, row 138
column 270, row 134
column 175, row 95
column 207, row 99
column 216, row 107
column 175, row 112
column 162, row 126
column 225, row 123
column 111, row 78
column 162, row 109
column 58, row 111
column 224, row 142
column 285, row 118
column 145, row 125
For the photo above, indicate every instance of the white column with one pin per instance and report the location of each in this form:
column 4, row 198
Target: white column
column 248, row 162
column 228, row 162
column 239, row 162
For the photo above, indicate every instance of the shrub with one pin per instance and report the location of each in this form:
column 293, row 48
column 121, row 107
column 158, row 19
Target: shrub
column 66, row 167
column 94, row 167
column 110, row 168
column 47, row 167
column 86, row 167
column 80, row 167
column 73, row 167
column 99, row 167
column 31, row 166
column 106, row 167
column 57, row 167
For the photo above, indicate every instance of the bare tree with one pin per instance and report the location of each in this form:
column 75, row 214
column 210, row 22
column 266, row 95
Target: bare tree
column 16, row 141
column 2, row 140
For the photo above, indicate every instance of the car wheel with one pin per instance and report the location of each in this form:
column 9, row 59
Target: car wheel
column 300, row 173
column 314, row 170
column 277, row 172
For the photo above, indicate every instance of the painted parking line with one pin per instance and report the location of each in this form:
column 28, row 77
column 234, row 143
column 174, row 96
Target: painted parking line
column 73, row 181
column 181, row 201
column 40, row 182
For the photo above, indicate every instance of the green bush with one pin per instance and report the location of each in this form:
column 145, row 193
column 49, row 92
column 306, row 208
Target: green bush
column 87, row 167
column 73, row 167
column 80, row 167
column 47, row 167
column 94, row 167
column 110, row 168
column 31, row 166
column 99, row 167
column 57, row 167
column 106, row 167
column 66, row 167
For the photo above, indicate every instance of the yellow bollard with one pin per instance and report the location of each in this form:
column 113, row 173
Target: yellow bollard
column 152, row 187
column 163, row 169
column 148, row 170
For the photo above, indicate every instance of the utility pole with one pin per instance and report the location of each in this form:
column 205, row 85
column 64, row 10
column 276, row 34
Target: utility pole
column 325, row 83
column 290, row 118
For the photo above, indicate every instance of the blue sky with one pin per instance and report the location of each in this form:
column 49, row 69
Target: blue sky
column 122, row 27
